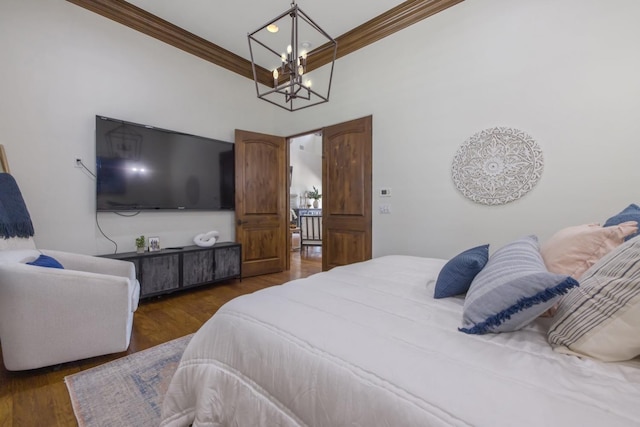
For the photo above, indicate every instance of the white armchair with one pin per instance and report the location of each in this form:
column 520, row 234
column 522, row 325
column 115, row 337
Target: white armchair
column 51, row 315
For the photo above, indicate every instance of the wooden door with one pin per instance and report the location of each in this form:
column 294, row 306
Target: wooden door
column 346, row 187
column 261, row 202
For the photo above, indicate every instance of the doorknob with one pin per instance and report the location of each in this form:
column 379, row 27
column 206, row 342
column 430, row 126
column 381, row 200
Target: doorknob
column 240, row 222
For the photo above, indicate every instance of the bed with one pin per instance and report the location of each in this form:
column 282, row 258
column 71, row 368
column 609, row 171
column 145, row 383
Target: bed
column 368, row 345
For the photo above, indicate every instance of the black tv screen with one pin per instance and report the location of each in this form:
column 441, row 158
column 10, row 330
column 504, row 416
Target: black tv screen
column 141, row 167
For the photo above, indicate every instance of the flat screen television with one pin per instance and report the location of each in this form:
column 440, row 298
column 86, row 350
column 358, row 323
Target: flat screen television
column 141, row 167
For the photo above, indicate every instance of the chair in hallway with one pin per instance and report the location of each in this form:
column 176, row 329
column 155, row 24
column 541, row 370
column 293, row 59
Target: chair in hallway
column 310, row 230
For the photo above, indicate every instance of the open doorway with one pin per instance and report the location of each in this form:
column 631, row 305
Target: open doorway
column 305, row 198
column 263, row 182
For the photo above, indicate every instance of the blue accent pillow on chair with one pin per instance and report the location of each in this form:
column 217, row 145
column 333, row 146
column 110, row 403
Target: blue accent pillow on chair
column 630, row 213
column 512, row 290
column 457, row 274
column 46, row 261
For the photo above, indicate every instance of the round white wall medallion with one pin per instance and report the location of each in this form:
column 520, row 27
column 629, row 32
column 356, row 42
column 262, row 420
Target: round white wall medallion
column 497, row 166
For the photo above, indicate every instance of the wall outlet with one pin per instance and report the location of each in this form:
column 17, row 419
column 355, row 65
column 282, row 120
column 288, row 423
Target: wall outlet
column 385, row 209
column 77, row 161
column 385, row 192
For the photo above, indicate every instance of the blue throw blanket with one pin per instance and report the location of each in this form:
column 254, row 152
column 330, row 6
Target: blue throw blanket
column 14, row 216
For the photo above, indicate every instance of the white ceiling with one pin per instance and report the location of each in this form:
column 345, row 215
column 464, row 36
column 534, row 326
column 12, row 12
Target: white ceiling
column 227, row 23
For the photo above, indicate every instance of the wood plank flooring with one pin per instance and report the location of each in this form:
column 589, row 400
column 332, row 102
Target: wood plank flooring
column 39, row 397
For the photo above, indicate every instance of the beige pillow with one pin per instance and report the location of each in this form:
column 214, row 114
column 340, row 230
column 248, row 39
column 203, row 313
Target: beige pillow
column 573, row 250
column 601, row 317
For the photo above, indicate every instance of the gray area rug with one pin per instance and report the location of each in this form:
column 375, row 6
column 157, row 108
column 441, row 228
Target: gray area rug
column 126, row 391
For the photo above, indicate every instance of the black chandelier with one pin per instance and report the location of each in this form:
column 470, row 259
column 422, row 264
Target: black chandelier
column 292, row 72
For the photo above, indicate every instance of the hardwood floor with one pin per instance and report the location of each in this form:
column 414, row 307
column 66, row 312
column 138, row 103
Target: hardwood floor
column 39, row 397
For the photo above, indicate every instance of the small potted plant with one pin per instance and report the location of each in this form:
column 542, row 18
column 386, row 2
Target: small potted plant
column 315, row 195
column 140, row 244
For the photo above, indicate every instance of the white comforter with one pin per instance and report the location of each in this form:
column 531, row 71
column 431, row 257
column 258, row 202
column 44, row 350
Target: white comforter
column 367, row 345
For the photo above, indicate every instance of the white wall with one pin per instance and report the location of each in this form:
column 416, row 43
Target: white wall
column 564, row 72
column 61, row 65
column 306, row 158
column 567, row 73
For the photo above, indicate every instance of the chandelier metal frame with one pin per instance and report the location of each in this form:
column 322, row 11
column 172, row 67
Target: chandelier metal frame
column 295, row 62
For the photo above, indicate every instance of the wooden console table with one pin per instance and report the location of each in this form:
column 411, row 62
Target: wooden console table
column 174, row 269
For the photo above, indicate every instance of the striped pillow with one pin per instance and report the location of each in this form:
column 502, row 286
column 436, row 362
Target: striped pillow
column 512, row 290
column 601, row 318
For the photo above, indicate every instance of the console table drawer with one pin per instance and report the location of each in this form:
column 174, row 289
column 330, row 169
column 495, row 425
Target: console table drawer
column 197, row 267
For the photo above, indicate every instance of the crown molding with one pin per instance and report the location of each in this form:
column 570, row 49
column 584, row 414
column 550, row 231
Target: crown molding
column 391, row 21
column 395, row 19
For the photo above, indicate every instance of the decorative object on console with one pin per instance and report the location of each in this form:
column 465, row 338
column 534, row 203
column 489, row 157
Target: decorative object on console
column 154, row 244
column 140, row 244
column 303, row 200
column 315, row 195
column 293, row 200
column 281, row 68
column 206, row 240
column 497, row 166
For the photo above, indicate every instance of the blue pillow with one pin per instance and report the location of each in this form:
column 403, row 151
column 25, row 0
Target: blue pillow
column 457, row 274
column 630, row 213
column 512, row 290
column 46, row 261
